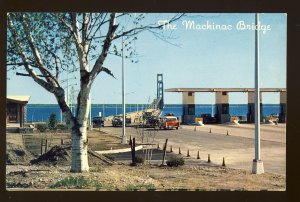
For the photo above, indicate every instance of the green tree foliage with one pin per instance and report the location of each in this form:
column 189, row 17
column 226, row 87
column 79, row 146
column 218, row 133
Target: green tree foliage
column 52, row 121
column 43, row 45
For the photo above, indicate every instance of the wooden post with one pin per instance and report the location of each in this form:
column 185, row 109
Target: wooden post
column 46, row 145
column 210, row 130
column 188, row 153
column 157, row 145
column 179, row 152
column 198, row 156
column 171, row 149
column 208, row 159
column 133, row 152
column 41, row 146
column 165, row 151
column 62, row 141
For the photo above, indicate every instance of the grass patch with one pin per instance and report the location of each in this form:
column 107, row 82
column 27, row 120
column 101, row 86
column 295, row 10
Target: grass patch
column 76, row 183
column 97, row 170
column 132, row 187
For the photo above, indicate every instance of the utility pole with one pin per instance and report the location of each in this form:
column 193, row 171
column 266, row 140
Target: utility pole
column 257, row 166
column 124, row 141
column 68, row 86
column 90, row 115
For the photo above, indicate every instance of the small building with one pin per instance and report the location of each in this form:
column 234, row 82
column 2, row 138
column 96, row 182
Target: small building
column 16, row 110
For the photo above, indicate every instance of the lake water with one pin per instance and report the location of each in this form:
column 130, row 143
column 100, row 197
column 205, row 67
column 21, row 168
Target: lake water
column 41, row 112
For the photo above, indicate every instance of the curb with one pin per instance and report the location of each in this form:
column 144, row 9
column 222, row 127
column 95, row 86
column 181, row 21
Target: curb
column 119, row 150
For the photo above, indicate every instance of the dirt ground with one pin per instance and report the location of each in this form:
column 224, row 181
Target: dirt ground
column 107, row 175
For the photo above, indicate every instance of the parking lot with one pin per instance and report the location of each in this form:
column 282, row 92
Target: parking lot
column 237, row 147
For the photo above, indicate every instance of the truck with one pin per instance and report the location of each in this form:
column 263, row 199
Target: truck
column 150, row 120
column 169, row 122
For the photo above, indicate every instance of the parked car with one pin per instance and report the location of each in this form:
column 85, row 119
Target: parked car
column 118, row 121
column 275, row 117
column 169, row 122
column 207, row 118
column 98, row 121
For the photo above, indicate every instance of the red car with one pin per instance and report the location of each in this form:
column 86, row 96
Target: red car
column 169, row 122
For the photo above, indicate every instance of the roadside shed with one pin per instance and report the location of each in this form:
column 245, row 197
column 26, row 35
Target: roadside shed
column 16, row 109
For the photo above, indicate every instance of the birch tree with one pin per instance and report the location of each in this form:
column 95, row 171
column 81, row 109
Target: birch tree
column 43, row 45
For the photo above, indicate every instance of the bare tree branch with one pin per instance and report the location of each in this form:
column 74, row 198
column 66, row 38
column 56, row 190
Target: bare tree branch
column 109, row 37
column 57, row 61
column 20, row 64
column 23, row 74
column 92, row 25
column 106, row 70
column 69, row 27
column 85, row 31
column 49, row 87
column 75, row 27
column 36, row 54
column 137, row 30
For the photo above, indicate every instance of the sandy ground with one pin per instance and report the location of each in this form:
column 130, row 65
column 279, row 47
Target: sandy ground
column 194, row 175
column 122, row 177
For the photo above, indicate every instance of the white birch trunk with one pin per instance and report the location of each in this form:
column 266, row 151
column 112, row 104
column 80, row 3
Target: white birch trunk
column 79, row 150
column 79, row 135
column 78, row 127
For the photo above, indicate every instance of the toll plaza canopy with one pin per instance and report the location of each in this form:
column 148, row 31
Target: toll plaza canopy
column 222, row 102
column 224, row 90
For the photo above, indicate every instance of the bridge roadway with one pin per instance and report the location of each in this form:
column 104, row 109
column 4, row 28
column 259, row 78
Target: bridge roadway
column 237, row 147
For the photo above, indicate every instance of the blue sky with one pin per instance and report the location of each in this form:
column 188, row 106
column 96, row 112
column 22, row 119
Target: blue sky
column 200, row 59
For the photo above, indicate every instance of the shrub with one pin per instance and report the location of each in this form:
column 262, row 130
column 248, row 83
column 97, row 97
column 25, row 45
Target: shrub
column 42, row 127
column 175, row 161
column 52, row 122
column 62, row 126
column 139, row 159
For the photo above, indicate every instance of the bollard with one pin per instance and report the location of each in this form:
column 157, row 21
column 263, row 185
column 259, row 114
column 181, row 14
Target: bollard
column 208, row 159
column 210, row 130
column 171, row 149
column 227, row 133
column 188, row 153
column 223, row 164
column 198, row 156
column 179, row 151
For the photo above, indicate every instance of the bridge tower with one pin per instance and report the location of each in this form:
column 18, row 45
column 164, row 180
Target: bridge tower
column 160, row 91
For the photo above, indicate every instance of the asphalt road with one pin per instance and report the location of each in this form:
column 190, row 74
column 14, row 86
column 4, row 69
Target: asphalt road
column 237, row 148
